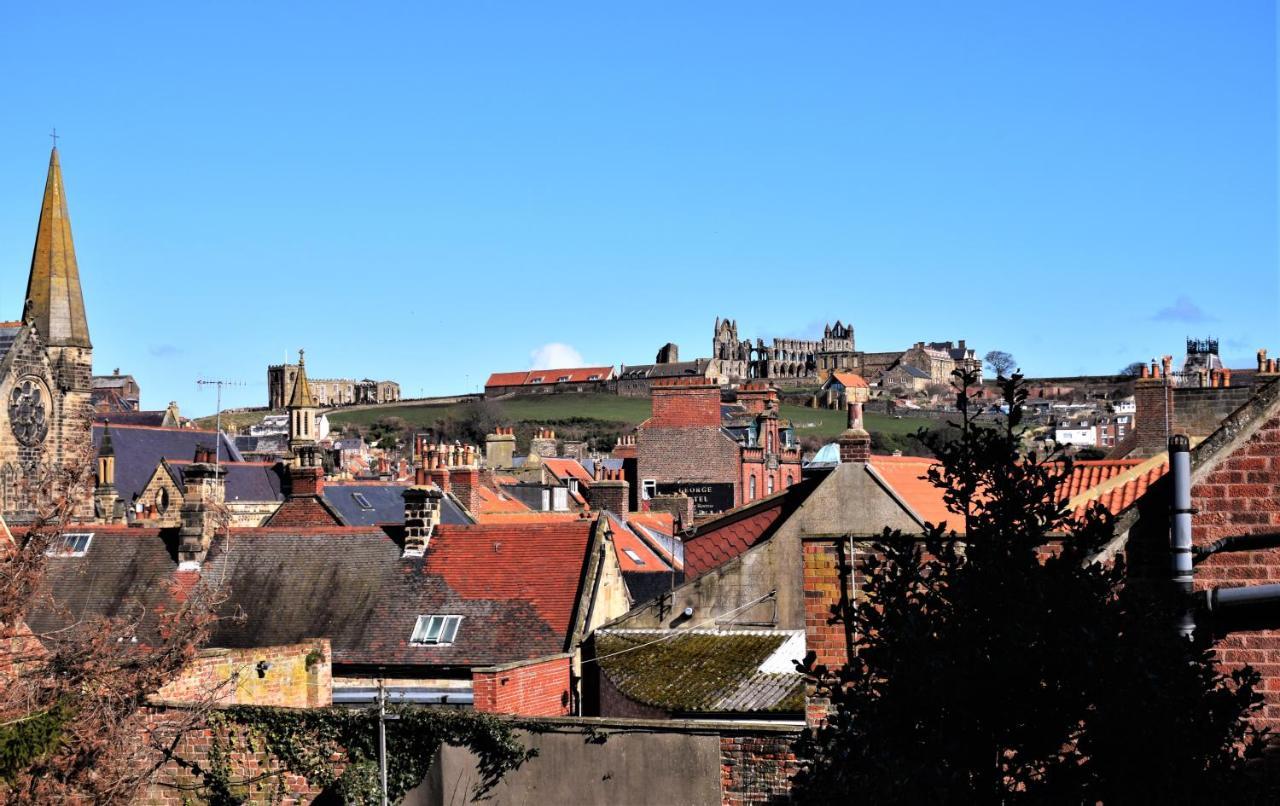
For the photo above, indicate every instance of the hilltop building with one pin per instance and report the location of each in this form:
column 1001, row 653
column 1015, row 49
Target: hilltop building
column 46, row 367
column 801, row 362
column 328, row 392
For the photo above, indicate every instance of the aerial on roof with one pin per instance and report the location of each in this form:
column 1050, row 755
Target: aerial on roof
column 705, row 671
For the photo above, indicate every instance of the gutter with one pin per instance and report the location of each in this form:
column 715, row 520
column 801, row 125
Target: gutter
column 411, row 695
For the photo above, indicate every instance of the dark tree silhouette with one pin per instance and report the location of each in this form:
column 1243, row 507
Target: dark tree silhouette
column 1000, row 362
column 1133, row 369
column 984, row 671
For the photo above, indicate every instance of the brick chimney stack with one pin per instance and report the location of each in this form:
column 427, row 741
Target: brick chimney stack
column 437, row 470
column 306, row 482
column 465, row 482
column 421, row 517
column 500, row 447
column 204, row 490
column 855, row 442
column 610, row 492
column 542, row 446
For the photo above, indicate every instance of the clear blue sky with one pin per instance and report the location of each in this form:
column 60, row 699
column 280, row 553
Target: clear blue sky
column 430, row 192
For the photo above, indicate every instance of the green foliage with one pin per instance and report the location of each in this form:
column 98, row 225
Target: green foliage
column 27, row 740
column 984, row 672
column 317, row 743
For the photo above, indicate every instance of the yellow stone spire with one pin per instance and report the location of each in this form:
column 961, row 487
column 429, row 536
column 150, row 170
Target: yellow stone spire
column 53, row 289
column 301, row 397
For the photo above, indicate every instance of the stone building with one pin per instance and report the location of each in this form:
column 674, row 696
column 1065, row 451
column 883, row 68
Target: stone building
column 797, row 362
column 46, row 366
column 115, row 393
column 328, row 392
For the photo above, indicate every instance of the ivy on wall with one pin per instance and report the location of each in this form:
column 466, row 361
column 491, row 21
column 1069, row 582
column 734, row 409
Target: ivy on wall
column 337, row 749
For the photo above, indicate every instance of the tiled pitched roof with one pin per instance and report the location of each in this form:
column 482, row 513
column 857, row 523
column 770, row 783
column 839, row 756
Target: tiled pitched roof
column 850, row 380
column 493, row 502
column 245, row 481
column 155, row 419
column 139, row 450
column 304, row 511
column 568, row 469
column 626, row 543
column 703, row 671
column 385, row 503
column 516, row 588
column 1116, row 483
column 549, row 376
column 730, row 533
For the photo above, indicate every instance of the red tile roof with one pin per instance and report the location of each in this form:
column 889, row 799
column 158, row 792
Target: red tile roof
column 730, row 533
column 625, row 540
column 1116, row 483
column 531, row 377
column 565, row 469
column 849, row 379
column 492, row 502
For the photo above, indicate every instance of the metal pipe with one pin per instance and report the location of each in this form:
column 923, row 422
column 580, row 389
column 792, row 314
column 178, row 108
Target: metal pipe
column 1180, row 529
column 1249, row 542
column 1220, row 598
column 382, row 739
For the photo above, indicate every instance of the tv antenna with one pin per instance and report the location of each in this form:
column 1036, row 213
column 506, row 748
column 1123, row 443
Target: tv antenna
column 217, row 439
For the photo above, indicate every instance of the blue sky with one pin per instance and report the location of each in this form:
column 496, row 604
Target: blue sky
column 430, row 192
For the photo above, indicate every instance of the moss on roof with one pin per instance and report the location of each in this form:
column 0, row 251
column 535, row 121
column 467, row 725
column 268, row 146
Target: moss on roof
column 699, row 671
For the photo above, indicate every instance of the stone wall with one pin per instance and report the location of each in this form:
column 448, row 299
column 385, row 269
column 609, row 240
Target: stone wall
column 634, row 762
column 290, row 675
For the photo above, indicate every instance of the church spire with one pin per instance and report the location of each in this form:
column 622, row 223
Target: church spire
column 53, row 289
column 301, row 397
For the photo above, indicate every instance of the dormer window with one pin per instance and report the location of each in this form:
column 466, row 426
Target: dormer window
column 434, row 630
column 593, row 377
column 536, row 380
column 562, row 379
column 71, row 544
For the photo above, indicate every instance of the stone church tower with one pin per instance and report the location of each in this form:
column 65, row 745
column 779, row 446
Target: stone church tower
column 46, row 361
column 302, row 419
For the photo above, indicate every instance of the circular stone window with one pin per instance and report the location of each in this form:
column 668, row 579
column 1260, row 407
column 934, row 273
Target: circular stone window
column 29, row 411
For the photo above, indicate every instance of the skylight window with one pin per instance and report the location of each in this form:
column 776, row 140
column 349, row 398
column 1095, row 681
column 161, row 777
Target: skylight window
column 362, row 501
column 635, row 558
column 431, row 630
column 71, row 544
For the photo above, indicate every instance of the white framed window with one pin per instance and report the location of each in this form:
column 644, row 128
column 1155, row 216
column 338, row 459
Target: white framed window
column 430, row 630
column 753, row 489
column 649, row 487
column 361, row 501
column 635, row 558
column 562, row 379
column 768, row 485
column 71, row 544
column 536, row 380
column 593, row 377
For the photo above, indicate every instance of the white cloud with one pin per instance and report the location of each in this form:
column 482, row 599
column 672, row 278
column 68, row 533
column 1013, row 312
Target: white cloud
column 1183, row 310
column 555, row 356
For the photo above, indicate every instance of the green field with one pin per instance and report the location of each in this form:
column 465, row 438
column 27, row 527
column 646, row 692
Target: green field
column 821, row 423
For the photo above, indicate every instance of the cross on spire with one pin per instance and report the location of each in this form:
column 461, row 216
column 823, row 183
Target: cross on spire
column 54, row 135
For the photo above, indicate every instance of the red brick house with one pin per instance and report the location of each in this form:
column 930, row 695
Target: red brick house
column 720, row 455
column 546, row 381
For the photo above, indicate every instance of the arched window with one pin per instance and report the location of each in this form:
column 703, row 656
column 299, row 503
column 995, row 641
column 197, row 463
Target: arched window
column 769, row 486
column 753, row 489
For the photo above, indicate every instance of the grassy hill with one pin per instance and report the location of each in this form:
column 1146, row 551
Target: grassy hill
column 549, row 409
column 605, row 412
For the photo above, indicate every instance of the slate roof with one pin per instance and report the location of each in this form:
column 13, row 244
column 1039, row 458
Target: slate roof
column 386, row 504
column 139, row 450
column 154, row 419
column 673, row 369
column 245, row 481
column 516, row 588
column 703, row 671
column 8, row 335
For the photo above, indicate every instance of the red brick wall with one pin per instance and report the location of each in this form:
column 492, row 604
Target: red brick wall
column 681, row 405
column 756, row 769
column 1241, row 495
column 535, row 688
column 821, row 591
column 690, row 453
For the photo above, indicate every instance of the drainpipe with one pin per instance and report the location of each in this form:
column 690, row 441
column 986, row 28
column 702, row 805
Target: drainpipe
column 1180, row 532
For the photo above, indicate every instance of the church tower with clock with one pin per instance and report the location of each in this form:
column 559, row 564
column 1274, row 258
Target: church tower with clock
column 46, row 365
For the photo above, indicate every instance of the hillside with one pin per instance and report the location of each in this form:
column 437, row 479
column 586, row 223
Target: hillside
column 609, row 412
